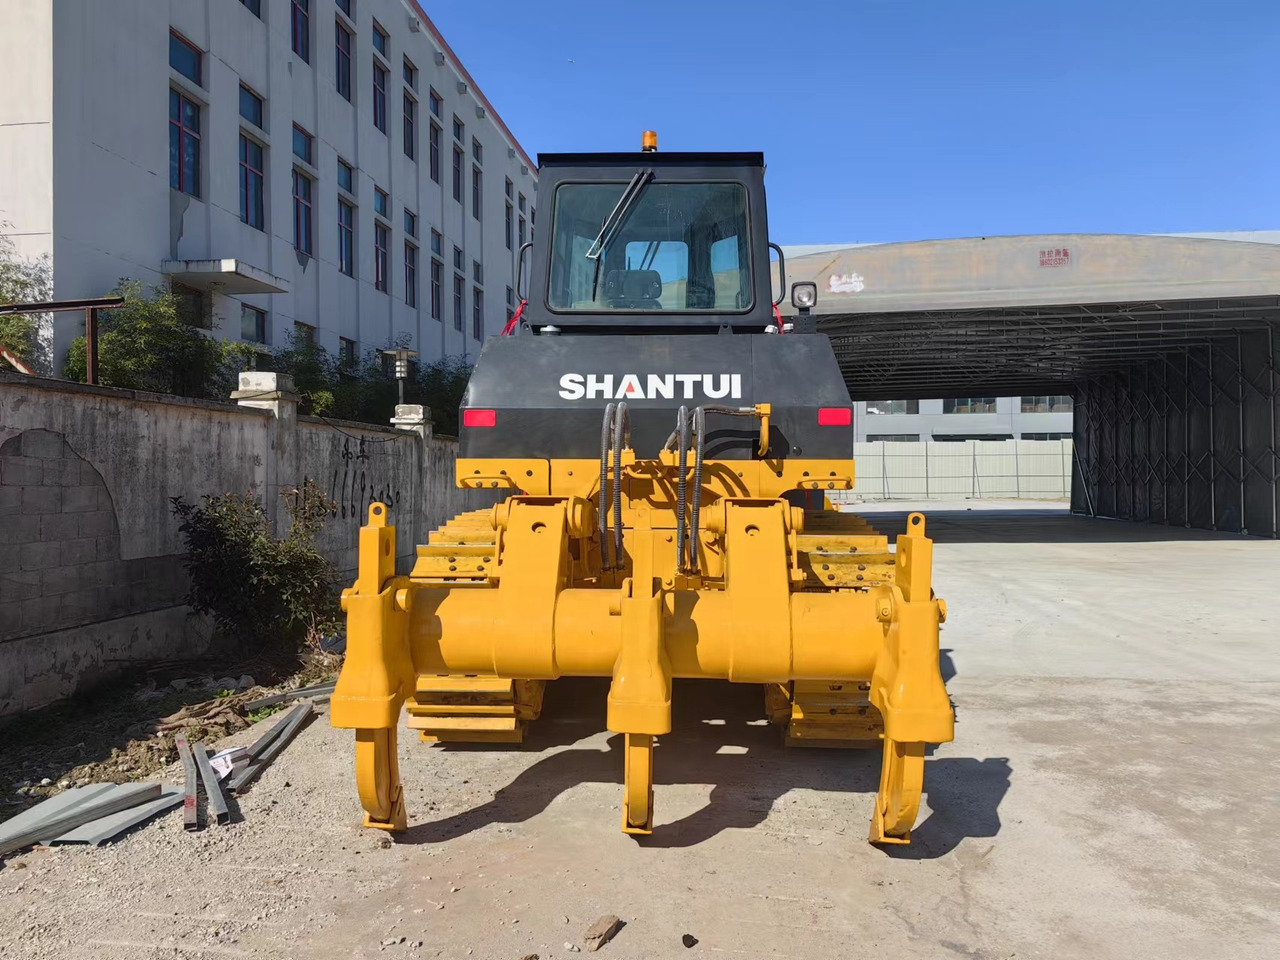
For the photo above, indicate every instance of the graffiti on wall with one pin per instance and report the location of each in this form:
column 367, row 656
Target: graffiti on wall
column 364, row 477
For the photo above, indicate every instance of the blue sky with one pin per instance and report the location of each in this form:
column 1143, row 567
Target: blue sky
column 914, row 119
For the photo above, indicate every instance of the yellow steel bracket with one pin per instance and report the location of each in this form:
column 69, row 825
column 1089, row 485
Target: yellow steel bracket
column 377, row 673
column 640, row 695
column 763, row 410
column 907, row 686
column 757, row 581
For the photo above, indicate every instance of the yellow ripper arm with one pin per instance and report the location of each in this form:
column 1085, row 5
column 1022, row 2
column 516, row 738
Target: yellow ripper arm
column 534, row 623
column 378, row 673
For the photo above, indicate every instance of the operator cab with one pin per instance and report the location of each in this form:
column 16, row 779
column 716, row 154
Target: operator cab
column 645, row 242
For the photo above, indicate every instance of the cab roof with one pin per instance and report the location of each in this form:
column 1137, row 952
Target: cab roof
column 655, row 158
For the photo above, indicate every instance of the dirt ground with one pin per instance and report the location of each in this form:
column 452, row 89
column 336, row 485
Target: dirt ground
column 1110, row 795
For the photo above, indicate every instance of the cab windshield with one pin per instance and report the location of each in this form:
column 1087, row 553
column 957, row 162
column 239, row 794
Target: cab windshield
column 644, row 246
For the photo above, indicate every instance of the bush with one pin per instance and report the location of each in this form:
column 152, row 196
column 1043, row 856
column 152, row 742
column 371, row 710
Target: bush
column 24, row 281
column 259, row 589
column 148, row 344
column 365, row 391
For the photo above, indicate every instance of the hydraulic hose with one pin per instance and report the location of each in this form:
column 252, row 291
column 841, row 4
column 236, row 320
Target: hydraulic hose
column 700, row 428
column 604, row 488
column 621, row 425
column 682, row 440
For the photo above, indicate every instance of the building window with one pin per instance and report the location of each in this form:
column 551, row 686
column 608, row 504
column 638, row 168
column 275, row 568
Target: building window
column 457, row 258
column 434, row 137
column 436, row 243
column 411, row 224
column 254, row 6
column 380, row 202
column 434, row 102
column 521, row 231
column 477, row 188
column 342, row 51
column 303, row 145
column 506, row 227
column 459, row 285
column 410, row 274
column 1045, row 436
column 253, row 324
column 477, row 271
column 185, row 57
column 191, row 306
column 522, row 203
column 346, row 353
column 300, row 29
column 302, row 232
column 380, row 97
column 457, row 174
column 380, row 278
column 381, row 42
column 410, row 126
column 346, row 238
column 1047, row 405
column 893, row 406
column 251, row 182
column 410, row 74
column 303, row 334
column 251, row 107
column 893, row 438
column 346, row 176
column 969, row 405
column 437, row 295
column 184, row 144
column 507, row 187
column 347, row 7
column 458, row 129
column 477, row 313
column 477, row 151
column 511, row 302
column 533, row 219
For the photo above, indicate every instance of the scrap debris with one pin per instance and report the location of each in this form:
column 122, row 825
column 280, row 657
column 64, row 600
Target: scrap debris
column 95, row 813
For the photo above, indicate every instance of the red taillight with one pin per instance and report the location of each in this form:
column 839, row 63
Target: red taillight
column 479, row 418
column 835, row 416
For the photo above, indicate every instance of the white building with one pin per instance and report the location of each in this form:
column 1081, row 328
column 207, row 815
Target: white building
column 324, row 167
column 964, row 418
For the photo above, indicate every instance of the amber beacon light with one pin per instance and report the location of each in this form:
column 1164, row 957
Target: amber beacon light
column 649, row 141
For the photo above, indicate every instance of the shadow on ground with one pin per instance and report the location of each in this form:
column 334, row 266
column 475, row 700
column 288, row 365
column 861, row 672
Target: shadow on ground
column 719, row 736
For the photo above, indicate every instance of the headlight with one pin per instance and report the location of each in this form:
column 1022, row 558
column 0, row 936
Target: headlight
column 804, row 295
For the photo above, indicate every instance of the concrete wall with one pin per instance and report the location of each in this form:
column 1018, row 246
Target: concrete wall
column 91, row 576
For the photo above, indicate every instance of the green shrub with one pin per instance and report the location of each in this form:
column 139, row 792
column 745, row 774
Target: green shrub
column 260, row 589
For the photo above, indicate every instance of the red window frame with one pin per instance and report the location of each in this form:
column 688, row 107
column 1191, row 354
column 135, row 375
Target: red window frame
column 300, row 28
column 302, row 212
column 342, row 60
column 254, row 217
column 380, row 237
column 380, row 97
column 188, row 180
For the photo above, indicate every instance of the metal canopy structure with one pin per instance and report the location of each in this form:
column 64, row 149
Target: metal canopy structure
column 1170, row 346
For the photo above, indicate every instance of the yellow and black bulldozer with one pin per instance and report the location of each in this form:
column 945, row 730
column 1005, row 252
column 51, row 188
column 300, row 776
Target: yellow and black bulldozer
column 665, row 443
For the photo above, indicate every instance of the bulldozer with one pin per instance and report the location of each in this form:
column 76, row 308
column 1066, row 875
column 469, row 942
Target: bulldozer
column 664, row 445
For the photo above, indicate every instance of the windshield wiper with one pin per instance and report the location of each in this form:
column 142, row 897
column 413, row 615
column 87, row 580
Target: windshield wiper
column 614, row 220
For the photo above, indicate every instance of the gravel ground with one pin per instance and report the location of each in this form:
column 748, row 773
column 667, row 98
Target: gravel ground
column 1096, row 802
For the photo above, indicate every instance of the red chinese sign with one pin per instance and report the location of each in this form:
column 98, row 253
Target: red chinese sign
column 1057, row 257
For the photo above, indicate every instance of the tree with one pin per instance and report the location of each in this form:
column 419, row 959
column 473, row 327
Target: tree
column 148, row 345
column 24, row 281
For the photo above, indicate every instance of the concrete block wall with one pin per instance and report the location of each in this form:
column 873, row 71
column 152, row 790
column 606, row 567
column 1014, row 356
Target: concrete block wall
column 91, row 572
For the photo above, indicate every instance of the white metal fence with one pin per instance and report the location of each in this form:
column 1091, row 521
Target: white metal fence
column 1035, row 469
